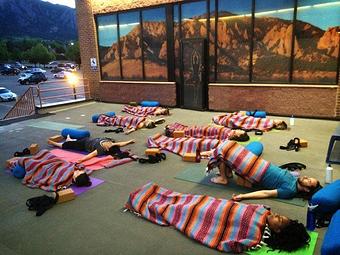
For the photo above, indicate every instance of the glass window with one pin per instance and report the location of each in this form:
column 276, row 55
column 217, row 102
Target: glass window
column 155, row 44
column 108, row 47
column 233, row 40
column 211, row 42
column 272, row 40
column 177, row 43
column 316, row 42
column 194, row 20
column 130, row 44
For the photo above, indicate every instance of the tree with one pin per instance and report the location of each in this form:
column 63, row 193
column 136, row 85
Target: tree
column 73, row 53
column 4, row 54
column 40, row 54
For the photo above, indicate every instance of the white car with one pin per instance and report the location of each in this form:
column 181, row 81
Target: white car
column 24, row 76
column 7, row 95
column 61, row 75
column 52, row 64
column 38, row 70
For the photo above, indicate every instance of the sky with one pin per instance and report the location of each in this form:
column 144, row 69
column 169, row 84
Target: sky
column 69, row 3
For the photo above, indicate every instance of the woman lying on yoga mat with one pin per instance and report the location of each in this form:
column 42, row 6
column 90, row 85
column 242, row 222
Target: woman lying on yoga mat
column 213, row 132
column 248, row 123
column 220, row 224
column 279, row 183
column 143, row 111
column 131, row 123
column 95, row 146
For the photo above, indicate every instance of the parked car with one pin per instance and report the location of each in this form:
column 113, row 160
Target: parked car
column 10, row 71
column 7, row 95
column 61, row 75
column 38, row 70
column 35, row 77
column 19, row 66
column 4, row 66
column 23, row 77
column 52, row 64
column 57, row 69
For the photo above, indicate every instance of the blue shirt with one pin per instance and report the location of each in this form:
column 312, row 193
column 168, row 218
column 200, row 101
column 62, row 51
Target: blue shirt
column 282, row 180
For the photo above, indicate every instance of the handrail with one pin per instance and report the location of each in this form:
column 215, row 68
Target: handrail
column 25, row 106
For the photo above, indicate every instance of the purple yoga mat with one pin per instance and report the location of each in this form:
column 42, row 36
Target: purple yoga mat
column 79, row 190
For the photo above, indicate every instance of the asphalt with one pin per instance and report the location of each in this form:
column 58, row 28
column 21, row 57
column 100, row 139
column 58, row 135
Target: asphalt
column 94, row 223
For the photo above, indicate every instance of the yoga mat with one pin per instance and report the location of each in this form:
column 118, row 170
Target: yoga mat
column 196, row 173
column 251, row 139
column 52, row 125
column 306, row 250
column 79, row 190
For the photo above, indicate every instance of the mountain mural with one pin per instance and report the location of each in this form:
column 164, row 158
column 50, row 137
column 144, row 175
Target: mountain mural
column 315, row 50
column 35, row 18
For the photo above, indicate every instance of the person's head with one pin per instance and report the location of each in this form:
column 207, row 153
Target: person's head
column 149, row 124
column 286, row 234
column 307, row 186
column 239, row 135
column 162, row 111
column 107, row 144
column 280, row 124
column 81, row 179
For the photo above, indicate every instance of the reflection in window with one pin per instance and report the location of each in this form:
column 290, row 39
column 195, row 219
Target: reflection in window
column 272, row 40
column 233, row 39
column 155, row 44
column 130, row 43
column 211, row 44
column 176, row 43
column 316, row 42
column 194, row 20
column 108, row 47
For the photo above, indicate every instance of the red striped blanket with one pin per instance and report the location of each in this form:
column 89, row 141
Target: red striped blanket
column 220, row 133
column 241, row 160
column 238, row 120
column 220, row 224
column 140, row 111
column 182, row 145
column 47, row 171
column 123, row 121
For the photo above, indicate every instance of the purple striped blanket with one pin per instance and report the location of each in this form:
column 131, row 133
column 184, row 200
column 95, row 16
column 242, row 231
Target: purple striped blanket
column 220, row 133
column 47, row 171
column 123, row 121
column 140, row 111
column 220, row 224
column 240, row 121
column 239, row 159
column 182, row 145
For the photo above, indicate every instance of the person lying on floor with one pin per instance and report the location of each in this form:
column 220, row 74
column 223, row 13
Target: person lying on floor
column 50, row 173
column 131, row 123
column 211, row 132
column 248, row 123
column 225, row 225
column 277, row 182
column 95, row 146
column 143, row 111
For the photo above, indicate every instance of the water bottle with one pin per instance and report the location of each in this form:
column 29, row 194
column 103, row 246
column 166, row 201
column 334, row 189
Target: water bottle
column 310, row 216
column 291, row 121
column 329, row 174
column 198, row 156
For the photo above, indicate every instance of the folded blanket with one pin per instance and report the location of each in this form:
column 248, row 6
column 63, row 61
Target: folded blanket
column 238, row 120
column 220, row 133
column 140, row 111
column 221, row 224
column 241, row 160
column 123, row 121
column 182, row 145
column 47, row 171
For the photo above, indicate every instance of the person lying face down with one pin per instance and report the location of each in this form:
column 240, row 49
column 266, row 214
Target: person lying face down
column 94, row 146
column 276, row 181
column 143, row 111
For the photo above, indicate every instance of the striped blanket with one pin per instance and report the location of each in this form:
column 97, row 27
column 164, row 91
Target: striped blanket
column 123, row 121
column 241, row 160
column 238, row 120
column 182, row 145
column 47, row 171
column 220, row 133
column 220, row 224
column 140, row 111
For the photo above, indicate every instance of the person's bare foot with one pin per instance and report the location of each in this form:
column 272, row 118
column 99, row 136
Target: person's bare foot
column 49, row 142
column 219, row 180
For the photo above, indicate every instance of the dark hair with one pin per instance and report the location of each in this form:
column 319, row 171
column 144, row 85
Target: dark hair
column 281, row 126
column 113, row 151
column 308, row 194
column 150, row 124
column 82, row 180
column 291, row 238
column 240, row 138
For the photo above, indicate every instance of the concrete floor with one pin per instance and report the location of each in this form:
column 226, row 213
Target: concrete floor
column 94, row 224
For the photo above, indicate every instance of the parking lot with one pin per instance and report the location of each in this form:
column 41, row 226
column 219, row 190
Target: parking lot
column 48, row 97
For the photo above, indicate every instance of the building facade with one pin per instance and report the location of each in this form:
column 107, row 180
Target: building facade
column 279, row 56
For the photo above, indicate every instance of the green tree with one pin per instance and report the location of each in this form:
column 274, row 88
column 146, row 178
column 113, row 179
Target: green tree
column 40, row 54
column 73, row 53
column 4, row 54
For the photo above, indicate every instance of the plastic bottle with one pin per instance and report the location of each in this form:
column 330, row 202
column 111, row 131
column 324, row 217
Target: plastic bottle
column 311, row 217
column 198, row 155
column 329, row 174
column 291, row 121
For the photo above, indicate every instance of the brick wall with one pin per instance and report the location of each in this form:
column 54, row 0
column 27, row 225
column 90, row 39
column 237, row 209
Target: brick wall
column 299, row 101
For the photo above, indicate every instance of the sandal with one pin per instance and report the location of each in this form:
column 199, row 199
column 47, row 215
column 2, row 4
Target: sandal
column 293, row 144
column 25, row 152
column 117, row 130
column 293, row 166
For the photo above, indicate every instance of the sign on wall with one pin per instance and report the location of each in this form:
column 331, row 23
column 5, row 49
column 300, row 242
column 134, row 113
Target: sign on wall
column 93, row 63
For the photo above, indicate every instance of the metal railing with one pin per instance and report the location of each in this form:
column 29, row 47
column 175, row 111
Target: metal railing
column 25, row 106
